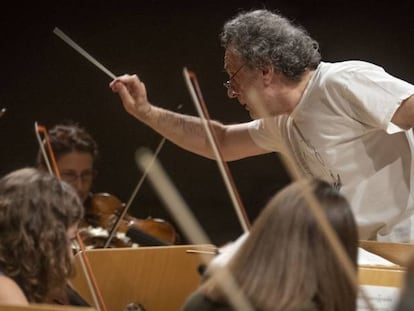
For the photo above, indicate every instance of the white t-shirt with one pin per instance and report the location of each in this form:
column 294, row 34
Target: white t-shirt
column 341, row 131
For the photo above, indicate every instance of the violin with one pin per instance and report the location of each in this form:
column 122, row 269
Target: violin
column 102, row 210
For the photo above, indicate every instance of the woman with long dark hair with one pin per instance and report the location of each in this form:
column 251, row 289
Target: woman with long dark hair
column 38, row 219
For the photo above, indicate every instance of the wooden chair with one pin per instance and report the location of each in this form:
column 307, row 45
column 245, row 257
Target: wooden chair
column 157, row 278
column 398, row 253
column 383, row 284
column 161, row 278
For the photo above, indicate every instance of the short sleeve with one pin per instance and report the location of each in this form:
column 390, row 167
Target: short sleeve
column 267, row 133
column 375, row 95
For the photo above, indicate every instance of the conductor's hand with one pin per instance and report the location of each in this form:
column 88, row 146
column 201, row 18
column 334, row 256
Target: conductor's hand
column 133, row 95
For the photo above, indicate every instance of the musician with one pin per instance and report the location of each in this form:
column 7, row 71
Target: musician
column 76, row 153
column 39, row 216
column 285, row 262
column 348, row 123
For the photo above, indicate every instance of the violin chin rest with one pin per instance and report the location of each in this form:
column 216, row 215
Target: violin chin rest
column 143, row 239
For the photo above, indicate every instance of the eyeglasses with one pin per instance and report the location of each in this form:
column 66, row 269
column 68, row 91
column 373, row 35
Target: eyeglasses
column 72, row 176
column 227, row 84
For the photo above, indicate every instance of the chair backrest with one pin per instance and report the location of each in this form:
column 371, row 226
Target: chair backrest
column 398, row 253
column 157, row 278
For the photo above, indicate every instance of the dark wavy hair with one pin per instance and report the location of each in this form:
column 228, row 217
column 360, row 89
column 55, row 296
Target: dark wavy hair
column 69, row 137
column 263, row 38
column 36, row 211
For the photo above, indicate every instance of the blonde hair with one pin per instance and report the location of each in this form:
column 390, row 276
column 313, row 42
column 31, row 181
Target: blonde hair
column 286, row 262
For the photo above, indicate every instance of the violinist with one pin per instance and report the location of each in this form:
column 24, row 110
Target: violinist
column 76, row 153
column 39, row 216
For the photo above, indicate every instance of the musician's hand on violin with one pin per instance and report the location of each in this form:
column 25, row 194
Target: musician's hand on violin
column 133, row 94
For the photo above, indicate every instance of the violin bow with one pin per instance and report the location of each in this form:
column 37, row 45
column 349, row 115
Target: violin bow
column 197, row 97
column 194, row 232
column 121, row 216
column 90, row 277
column 51, row 165
column 332, row 238
column 81, row 51
column 195, row 92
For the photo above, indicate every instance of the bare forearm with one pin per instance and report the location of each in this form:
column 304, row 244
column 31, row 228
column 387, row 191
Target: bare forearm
column 186, row 131
column 404, row 116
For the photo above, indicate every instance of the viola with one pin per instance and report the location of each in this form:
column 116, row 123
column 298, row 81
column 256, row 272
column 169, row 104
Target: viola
column 104, row 209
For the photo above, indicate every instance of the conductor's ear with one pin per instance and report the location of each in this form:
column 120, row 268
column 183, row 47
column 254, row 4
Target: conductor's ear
column 267, row 74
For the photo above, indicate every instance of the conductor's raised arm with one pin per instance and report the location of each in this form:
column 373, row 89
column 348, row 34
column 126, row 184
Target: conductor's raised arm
column 186, row 131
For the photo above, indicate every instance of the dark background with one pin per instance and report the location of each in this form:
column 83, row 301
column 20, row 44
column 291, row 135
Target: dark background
column 45, row 80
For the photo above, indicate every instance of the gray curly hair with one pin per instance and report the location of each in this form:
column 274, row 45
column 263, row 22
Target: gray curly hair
column 262, row 38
